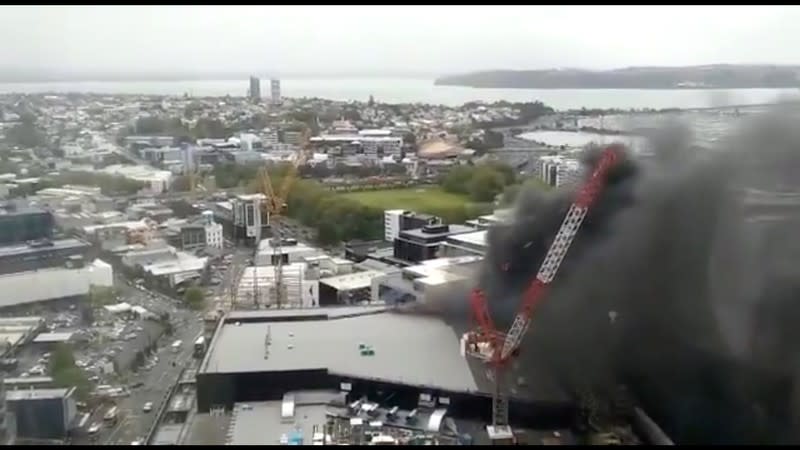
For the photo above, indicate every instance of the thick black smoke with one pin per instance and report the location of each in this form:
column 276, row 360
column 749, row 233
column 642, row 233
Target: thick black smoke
column 702, row 284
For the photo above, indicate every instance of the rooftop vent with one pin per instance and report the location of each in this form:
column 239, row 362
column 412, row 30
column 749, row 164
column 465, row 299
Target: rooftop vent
column 436, row 228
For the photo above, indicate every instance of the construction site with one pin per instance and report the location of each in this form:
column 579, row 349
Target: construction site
column 638, row 341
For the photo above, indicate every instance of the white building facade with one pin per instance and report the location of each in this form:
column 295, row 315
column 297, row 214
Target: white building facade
column 213, row 231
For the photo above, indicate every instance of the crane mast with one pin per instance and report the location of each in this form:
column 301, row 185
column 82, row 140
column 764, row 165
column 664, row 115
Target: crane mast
column 274, row 206
column 486, row 343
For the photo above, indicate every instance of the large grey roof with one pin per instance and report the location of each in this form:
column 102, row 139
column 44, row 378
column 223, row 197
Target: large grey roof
column 58, row 244
column 283, row 314
column 408, row 349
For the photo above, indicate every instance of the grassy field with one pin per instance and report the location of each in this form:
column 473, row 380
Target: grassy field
column 416, row 199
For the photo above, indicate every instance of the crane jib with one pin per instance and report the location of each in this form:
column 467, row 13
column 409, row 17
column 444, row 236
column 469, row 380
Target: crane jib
column 551, row 263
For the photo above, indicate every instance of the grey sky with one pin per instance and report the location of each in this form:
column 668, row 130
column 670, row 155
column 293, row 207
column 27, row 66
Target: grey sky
column 390, row 39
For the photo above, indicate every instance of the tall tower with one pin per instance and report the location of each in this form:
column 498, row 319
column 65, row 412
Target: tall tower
column 255, row 89
column 275, row 91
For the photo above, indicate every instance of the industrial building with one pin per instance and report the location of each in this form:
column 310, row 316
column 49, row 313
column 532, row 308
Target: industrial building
column 45, row 414
column 164, row 266
column 49, row 270
column 262, row 355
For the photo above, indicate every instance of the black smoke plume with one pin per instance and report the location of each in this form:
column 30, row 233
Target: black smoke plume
column 699, row 269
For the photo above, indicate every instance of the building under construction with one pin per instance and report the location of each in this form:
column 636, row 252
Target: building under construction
column 398, row 365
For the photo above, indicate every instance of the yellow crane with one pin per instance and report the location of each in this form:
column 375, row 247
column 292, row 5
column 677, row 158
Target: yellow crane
column 274, row 206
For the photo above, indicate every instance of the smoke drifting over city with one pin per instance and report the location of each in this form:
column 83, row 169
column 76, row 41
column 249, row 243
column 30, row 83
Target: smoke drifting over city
column 676, row 285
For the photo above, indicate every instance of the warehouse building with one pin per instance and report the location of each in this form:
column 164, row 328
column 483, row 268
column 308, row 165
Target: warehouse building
column 262, row 355
column 56, row 283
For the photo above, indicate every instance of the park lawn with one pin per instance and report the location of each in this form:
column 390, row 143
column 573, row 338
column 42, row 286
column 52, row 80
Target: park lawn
column 428, row 200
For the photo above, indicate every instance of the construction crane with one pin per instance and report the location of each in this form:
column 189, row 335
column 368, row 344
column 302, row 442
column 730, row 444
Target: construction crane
column 496, row 349
column 274, row 206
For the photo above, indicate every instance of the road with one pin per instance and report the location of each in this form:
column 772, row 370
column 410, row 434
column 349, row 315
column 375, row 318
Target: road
column 133, row 422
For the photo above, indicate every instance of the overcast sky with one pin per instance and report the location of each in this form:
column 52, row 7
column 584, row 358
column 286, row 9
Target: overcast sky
column 286, row 40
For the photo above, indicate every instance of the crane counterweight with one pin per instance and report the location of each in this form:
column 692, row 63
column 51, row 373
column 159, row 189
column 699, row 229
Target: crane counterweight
column 485, row 342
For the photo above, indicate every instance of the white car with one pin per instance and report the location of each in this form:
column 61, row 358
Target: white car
column 147, row 407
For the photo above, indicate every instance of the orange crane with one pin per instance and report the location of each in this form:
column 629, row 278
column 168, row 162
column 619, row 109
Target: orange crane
column 496, row 349
column 274, row 206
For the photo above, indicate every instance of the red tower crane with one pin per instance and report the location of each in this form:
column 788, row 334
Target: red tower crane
column 496, row 349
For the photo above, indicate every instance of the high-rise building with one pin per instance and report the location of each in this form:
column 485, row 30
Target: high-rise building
column 247, row 224
column 255, row 89
column 275, row 91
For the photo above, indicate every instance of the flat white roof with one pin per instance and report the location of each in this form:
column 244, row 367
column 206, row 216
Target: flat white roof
column 265, row 247
column 350, row 281
column 46, row 338
column 248, row 197
column 138, row 172
column 130, row 225
column 183, row 263
column 478, row 238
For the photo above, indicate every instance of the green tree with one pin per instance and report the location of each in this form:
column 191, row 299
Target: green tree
column 66, row 374
column 101, row 295
column 484, row 185
column 194, row 297
column 457, row 179
column 481, row 182
column 62, row 358
column 210, row 128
